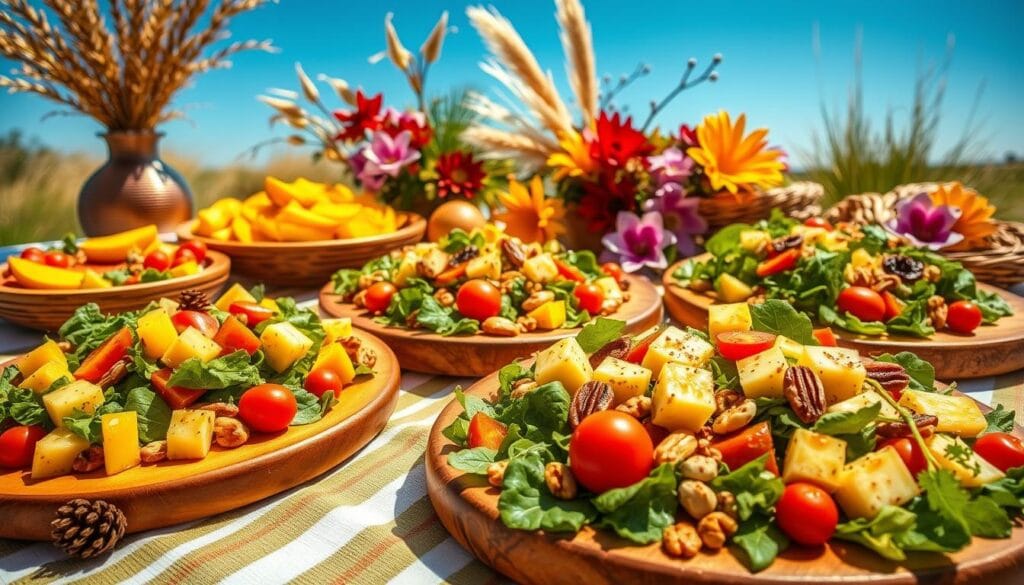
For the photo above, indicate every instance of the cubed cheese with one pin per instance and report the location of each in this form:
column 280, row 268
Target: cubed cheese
column 333, row 357
column 684, row 398
column 406, row 268
column 954, row 454
column 762, row 373
column 815, row 458
column 190, row 434
column 875, row 480
column 790, row 348
column 120, row 441
column 190, row 344
column 336, row 329
column 611, row 289
column 540, row 268
column 840, row 370
column 564, row 362
column 79, row 395
column 958, row 415
column 676, row 345
column 728, row 317
column 234, row 294
column 866, row 398
column 550, row 315
column 157, row 333
column 38, row 357
column 55, row 453
column 484, row 266
column 625, row 378
column 283, row 345
column 44, row 377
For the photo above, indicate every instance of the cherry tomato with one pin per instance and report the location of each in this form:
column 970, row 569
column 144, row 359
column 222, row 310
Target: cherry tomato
column 818, row 222
column 484, row 431
column 807, row 514
column 157, row 260
column 34, row 254
column 963, row 317
column 861, row 302
column 610, row 449
column 183, row 255
column 378, row 296
column 18, row 444
column 893, row 305
column 478, row 299
column 321, row 380
column 613, row 270
column 744, row 446
column 590, row 297
column 909, row 452
column 206, row 323
column 57, row 259
column 255, row 313
column 826, row 337
column 267, row 408
column 197, row 248
column 736, row 345
column 781, row 263
column 1003, row 450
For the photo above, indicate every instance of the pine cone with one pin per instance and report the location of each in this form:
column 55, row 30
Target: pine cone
column 193, row 300
column 87, row 529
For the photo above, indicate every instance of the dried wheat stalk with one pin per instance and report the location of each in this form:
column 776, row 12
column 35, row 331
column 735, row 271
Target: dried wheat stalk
column 579, row 56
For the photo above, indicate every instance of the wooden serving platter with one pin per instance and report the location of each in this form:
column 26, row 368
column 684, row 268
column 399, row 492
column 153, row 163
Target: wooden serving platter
column 171, row 492
column 989, row 351
column 468, row 508
column 479, row 355
column 48, row 309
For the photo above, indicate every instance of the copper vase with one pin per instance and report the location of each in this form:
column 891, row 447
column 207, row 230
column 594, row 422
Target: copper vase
column 134, row 188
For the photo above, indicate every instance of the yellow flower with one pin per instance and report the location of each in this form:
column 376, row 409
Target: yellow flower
column 574, row 159
column 732, row 161
column 975, row 222
column 529, row 215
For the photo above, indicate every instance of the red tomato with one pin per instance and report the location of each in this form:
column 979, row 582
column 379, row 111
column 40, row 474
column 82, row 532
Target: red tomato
column 590, row 297
column 963, row 317
column 183, row 255
column 818, row 222
column 807, row 514
column 861, row 302
column 736, row 345
column 267, row 408
column 378, row 296
column 197, row 248
column 206, row 323
column 111, row 351
column 1003, row 450
column 58, row 260
column 744, row 446
column 641, row 343
column 826, row 337
column 157, row 260
column 478, row 299
column 175, row 396
column 568, row 271
column 610, row 449
column 321, row 380
column 233, row 335
column 893, row 305
column 909, row 452
column 34, row 254
column 255, row 313
column 613, row 270
column 781, row 263
column 18, row 444
column 484, row 431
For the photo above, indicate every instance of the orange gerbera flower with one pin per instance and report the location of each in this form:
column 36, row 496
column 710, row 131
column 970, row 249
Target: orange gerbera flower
column 975, row 222
column 529, row 215
column 732, row 161
column 573, row 160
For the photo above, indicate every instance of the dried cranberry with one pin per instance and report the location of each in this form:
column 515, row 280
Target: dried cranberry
column 904, row 267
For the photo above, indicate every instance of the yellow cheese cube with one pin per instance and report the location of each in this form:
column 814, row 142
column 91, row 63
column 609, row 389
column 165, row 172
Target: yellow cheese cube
column 79, row 395
column 625, row 378
column 56, row 452
column 684, row 398
column 35, row 359
column 169, row 306
column 484, row 266
column 550, row 315
column 762, row 373
column 815, row 458
column 790, row 348
column 336, row 329
column 954, row 454
column 187, row 268
column 611, row 289
column 333, row 357
column 866, row 398
column 564, row 362
column 540, row 268
column 92, row 279
column 283, row 345
column 157, row 333
column 234, row 294
column 676, row 345
column 873, row 481
column 728, row 317
column 120, row 441
column 190, row 434
column 754, row 240
column 731, row 289
column 44, row 377
column 406, row 269
column 958, row 415
column 840, row 370
column 190, row 344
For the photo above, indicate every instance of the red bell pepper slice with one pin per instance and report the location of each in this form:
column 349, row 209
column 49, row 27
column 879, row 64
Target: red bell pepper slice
column 233, row 336
column 744, row 446
column 175, row 396
column 484, row 431
column 111, row 351
column 893, row 305
column 639, row 350
column 568, row 271
column 781, row 263
column 451, row 275
column 826, row 337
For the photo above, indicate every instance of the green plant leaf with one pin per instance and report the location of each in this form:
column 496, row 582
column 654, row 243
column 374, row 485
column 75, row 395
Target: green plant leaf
column 641, row 512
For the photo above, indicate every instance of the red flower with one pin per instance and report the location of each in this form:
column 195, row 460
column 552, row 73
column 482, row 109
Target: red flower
column 616, row 141
column 687, row 135
column 603, row 200
column 366, row 117
column 415, row 122
column 458, row 174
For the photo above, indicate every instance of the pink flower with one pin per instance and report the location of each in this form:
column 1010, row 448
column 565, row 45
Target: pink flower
column 672, row 165
column 639, row 241
column 385, row 156
column 925, row 224
column 681, row 215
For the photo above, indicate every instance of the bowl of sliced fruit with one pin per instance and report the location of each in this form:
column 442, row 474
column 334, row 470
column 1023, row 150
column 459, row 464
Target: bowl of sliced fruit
column 41, row 288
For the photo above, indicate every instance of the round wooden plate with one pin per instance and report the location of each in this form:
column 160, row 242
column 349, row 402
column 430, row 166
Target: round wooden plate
column 991, row 350
column 308, row 263
column 479, row 355
column 468, row 508
column 48, row 309
column 171, row 492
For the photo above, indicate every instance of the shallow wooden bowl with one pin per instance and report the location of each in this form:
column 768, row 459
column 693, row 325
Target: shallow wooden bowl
column 989, row 351
column 171, row 492
column 48, row 309
column 308, row 263
column 479, row 355
column 468, row 508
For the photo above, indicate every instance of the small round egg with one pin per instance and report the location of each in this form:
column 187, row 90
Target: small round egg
column 454, row 214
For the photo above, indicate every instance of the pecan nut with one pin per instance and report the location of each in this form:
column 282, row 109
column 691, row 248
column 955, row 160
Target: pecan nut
column 638, row 407
column 734, row 418
column 676, row 447
column 115, row 373
column 500, row 326
column 681, row 540
column 616, row 349
column 464, row 255
column 522, row 387
column 496, row 473
column 804, row 392
column 726, row 399
column 229, row 432
column 560, row 480
column 514, row 252
column 780, row 245
column 154, row 452
column 715, row 529
column 925, row 424
column 891, row 376
column 89, row 460
column 538, row 299
column 592, row 397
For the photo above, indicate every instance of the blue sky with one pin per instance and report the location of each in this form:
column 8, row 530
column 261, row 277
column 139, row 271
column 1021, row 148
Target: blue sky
column 770, row 69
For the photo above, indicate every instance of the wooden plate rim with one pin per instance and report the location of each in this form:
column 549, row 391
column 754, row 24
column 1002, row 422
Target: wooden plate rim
column 416, row 225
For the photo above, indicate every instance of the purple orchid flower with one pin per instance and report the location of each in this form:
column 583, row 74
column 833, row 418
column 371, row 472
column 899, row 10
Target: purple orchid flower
column 639, row 241
column 383, row 157
column 671, row 166
column 680, row 214
column 925, row 224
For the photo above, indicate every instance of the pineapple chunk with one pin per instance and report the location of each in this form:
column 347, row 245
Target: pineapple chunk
column 550, row 315
column 284, row 345
column 157, row 333
column 873, row 481
column 56, row 452
column 957, row 456
column 120, row 441
column 762, row 373
column 754, row 240
column 44, row 377
column 187, row 268
column 190, row 434
column 334, row 357
column 336, row 329
column 625, row 378
column 611, row 289
column 484, row 266
column 564, row 362
column 540, row 268
column 40, row 356
column 684, row 398
column 840, row 370
column 732, row 290
column 790, row 348
column 958, row 415
column 861, row 258
column 866, row 398
column 234, row 294
column 729, row 317
column 676, row 345
column 811, row 234
column 190, row 344
column 168, row 305
column 816, row 458
column 406, row 269
column 81, row 394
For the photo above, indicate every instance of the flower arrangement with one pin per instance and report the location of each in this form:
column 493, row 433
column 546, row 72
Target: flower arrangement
column 951, row 217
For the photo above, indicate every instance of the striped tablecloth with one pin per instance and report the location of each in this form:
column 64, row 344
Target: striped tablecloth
column 367, row 521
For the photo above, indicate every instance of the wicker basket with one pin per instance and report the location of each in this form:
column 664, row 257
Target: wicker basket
column 800, row 200
column 1001, row 263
